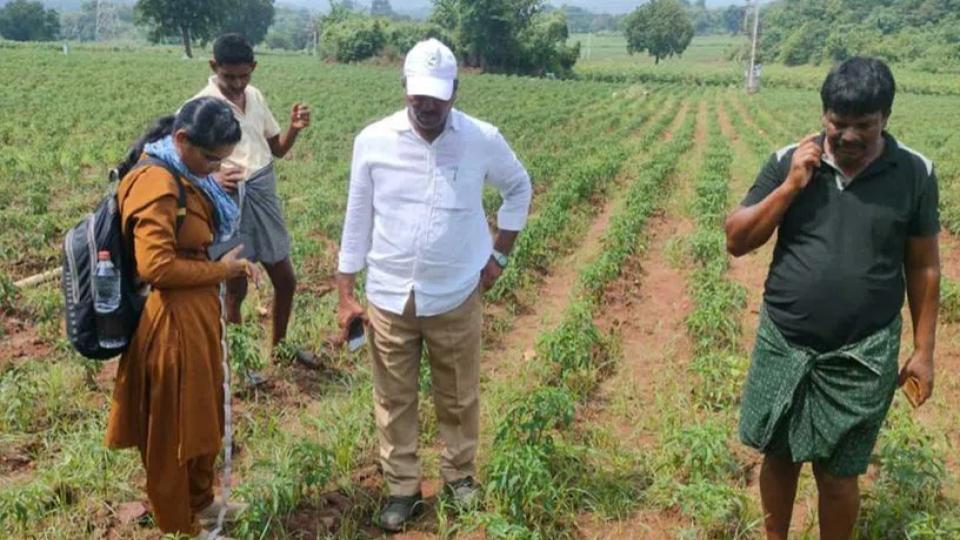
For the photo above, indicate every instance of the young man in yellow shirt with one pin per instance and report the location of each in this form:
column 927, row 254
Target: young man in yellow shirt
column 249, row 174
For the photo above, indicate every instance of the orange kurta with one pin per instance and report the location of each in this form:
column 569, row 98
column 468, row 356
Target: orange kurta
column 169, row 387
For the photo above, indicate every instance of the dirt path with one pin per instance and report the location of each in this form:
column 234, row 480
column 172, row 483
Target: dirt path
column 507, row 357
column 750, row 271
column 647, row 306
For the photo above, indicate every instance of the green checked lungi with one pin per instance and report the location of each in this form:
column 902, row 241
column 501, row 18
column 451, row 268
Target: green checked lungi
column 821, row 407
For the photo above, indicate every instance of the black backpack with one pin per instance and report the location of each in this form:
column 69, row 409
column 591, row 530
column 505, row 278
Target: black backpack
column 101, row 230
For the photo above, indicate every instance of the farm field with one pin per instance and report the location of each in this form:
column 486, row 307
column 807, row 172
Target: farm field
column 615, row 344
column 707, row 61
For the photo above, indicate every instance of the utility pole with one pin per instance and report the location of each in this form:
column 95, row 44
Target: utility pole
column 106, row 20
column 752, row 82
column 96, row 24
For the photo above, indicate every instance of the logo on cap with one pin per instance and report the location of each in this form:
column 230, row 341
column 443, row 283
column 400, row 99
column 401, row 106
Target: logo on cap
column 434, row 59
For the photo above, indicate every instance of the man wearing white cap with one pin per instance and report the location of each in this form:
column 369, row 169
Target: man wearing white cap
column 415, row 221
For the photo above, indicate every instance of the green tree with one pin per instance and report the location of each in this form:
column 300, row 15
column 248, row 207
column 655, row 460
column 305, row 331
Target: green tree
column 186, row 19
column 251, row 19
column 733, row 19
column 446, row 14
column 701, row 17
column 662, row 28
column 506, row 36
column 80, row 25
column 401, row 36
column 292, row 29
column 540, row 52
column 22, row 20
column 352, row 39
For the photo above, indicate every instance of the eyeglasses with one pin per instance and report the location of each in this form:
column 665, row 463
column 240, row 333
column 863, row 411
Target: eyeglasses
column 208, row 156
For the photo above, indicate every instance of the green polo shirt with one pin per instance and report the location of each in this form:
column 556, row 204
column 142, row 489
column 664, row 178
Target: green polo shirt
column 837, row 272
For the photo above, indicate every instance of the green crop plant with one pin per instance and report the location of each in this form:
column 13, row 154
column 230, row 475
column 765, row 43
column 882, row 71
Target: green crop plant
column 949, row 300
column 245, row 354
column 907, row 494
column 534, row 477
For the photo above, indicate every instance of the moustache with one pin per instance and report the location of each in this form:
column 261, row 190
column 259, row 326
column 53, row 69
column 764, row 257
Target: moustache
column 427, row 117
column 840, row 144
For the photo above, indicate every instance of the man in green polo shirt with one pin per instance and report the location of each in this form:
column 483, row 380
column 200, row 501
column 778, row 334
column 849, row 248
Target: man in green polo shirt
column 857, row 222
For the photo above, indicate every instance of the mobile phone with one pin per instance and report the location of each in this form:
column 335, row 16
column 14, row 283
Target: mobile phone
column 355, row 335
column 911, row 389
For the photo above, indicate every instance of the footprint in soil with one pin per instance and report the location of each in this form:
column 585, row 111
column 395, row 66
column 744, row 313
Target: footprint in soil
column 315, row 520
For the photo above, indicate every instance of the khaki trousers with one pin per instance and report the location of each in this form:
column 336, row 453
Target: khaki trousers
column 452, row 341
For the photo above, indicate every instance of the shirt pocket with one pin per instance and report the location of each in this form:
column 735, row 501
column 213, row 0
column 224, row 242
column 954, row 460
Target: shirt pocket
column 888, row 229
column 459, row 188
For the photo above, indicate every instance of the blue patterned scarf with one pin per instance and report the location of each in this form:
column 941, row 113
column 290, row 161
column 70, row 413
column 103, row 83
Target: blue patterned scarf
column 226, row 211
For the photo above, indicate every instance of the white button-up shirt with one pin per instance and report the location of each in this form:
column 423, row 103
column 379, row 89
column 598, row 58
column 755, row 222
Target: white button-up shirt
column 415, row 214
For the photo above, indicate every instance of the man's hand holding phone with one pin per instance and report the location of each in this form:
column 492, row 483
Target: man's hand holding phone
column 351, row 319
column 806, row 158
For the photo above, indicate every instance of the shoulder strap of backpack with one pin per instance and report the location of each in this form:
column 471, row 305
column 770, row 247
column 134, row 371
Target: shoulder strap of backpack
column 177, row 179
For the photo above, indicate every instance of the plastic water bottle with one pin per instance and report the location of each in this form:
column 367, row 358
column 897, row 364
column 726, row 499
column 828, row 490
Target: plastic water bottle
column 110, row 332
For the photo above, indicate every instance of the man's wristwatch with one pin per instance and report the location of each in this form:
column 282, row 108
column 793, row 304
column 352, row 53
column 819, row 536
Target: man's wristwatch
column 499, row 258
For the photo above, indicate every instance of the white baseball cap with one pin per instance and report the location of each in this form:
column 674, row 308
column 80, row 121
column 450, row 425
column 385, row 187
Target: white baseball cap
column 430, row 70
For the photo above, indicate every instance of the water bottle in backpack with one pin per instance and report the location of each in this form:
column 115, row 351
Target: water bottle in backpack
column 101, row 296
column 110, row 328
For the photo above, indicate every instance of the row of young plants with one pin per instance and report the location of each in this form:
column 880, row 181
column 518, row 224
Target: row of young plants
column 906, row 498
column 584, row 175
column 55, row 159
column 294, row 471
column 289, row 471
column 696, row 470
column 281, row 467
column 537, row 477
column 759, row 144
column 285, row 480
column 731, row 75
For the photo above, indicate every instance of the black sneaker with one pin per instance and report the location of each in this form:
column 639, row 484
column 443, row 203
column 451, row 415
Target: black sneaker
column 463, row 493
column 307, row 359
column 287, row 352
column 255, row 379
column 399, row 511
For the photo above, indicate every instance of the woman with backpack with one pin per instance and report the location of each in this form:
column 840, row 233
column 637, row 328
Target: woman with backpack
column 169, row 395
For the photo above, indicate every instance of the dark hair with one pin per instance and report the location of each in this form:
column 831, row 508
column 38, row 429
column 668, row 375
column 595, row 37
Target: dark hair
column 208, row 122
column 859, row 86
column 232, row 49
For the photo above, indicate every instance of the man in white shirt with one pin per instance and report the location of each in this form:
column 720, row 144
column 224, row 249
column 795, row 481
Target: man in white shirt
column 415, row 221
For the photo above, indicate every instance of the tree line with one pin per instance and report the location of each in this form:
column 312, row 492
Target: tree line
column 521, row 36
column 925, row 33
